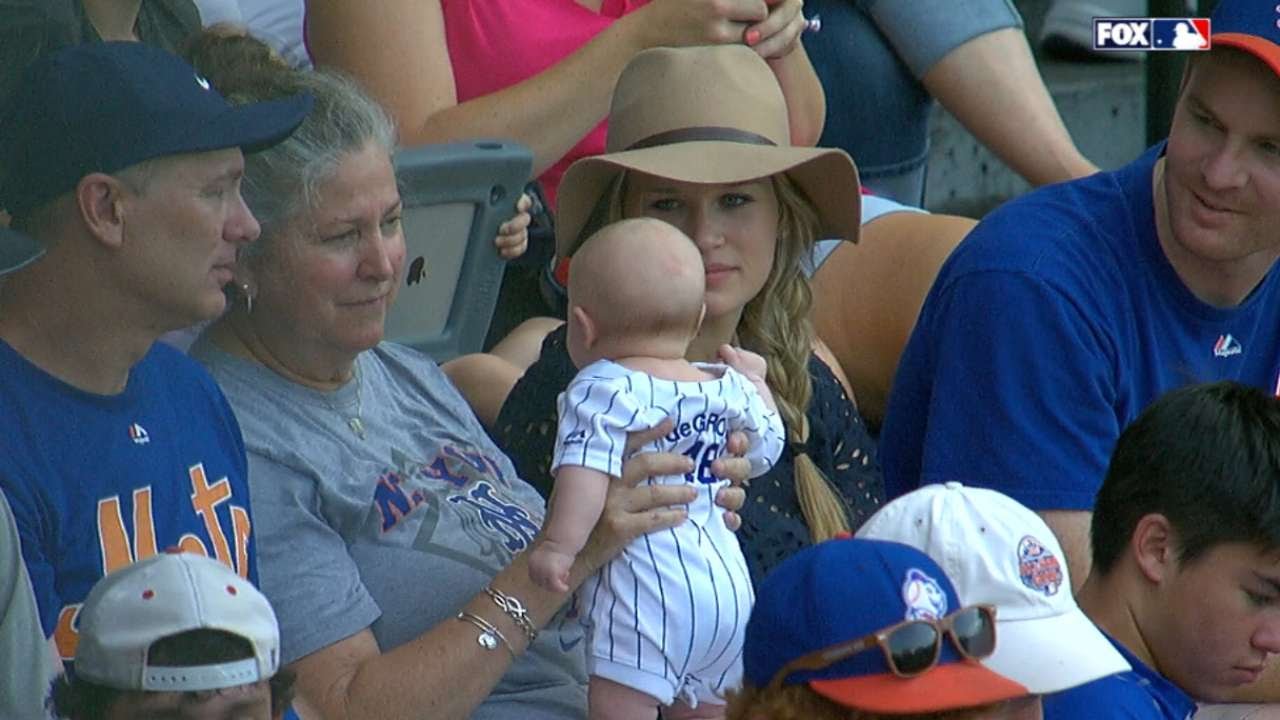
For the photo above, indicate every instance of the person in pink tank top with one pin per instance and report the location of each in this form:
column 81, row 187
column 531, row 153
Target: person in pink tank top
column 541, row 71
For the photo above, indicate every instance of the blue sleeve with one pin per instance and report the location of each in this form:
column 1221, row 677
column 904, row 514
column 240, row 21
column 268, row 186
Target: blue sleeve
column 1004, row 384
column 922, row 32
column 1110, row 698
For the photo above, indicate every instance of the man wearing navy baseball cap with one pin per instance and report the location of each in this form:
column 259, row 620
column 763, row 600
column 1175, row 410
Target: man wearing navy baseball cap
column 124, row 165
column 863, row 629
column 1069, row 310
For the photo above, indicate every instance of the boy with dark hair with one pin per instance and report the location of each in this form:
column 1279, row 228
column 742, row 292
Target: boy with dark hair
column 1186, row 555
column 175, row 636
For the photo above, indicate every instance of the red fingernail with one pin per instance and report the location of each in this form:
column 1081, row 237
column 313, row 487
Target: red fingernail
column 753, row 37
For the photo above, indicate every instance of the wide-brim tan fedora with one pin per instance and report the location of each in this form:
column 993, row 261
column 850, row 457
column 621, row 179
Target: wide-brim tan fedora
column 711, row 114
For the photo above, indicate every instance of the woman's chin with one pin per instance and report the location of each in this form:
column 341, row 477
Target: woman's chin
column 358, row 342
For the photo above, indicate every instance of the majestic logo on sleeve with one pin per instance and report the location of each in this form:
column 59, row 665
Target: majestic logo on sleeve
column 139, row 434
column 1227, row 346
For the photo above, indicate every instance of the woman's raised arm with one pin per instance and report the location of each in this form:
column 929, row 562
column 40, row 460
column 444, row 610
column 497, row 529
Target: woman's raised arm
column 397, row 50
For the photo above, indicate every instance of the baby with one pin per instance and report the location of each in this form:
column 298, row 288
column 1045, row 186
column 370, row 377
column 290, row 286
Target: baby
column 666, row 617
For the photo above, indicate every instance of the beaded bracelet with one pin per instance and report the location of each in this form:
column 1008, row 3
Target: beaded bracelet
column 512, row 606
column 489, row 633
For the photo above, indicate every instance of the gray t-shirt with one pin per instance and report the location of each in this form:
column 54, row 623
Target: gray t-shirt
column 395, row 531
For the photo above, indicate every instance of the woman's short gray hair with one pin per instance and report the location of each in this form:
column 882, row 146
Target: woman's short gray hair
column 284, row 180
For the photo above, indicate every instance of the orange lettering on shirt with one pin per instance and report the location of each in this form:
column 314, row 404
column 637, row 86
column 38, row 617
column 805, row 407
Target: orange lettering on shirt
column 241, row 527
column 144, row 526
column 113, row 540
column 191, row 544
column 67, row 634
column 206, row 498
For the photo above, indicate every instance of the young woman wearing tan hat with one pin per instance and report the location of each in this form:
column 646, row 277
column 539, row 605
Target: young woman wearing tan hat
column 698, row 137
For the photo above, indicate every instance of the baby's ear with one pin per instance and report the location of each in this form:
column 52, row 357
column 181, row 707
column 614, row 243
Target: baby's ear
column 584, row 325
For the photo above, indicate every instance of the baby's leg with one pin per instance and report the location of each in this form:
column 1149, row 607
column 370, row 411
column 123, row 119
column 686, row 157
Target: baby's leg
column 609, row 700
column 679, row 710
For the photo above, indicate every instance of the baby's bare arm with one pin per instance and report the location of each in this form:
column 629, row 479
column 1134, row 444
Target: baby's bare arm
column 576, row 503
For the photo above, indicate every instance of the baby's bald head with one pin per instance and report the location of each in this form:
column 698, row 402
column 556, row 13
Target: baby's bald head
column 639, row 277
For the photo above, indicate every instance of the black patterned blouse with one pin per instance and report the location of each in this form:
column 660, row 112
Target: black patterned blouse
column 772, row 525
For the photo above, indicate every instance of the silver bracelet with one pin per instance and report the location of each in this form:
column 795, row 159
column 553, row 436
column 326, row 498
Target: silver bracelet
column 490, row 635
column 515, row 609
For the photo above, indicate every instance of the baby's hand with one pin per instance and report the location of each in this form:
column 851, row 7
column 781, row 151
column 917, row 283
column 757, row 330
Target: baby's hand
column 549, row 567
column 745, row 362
column 753, row 367
column 513, row 235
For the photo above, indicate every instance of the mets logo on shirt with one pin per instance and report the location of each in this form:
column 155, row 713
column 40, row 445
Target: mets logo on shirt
column 1038, row 568
column 923, row 596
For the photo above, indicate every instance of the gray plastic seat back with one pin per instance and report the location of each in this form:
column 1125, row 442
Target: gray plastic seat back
column 455, row 197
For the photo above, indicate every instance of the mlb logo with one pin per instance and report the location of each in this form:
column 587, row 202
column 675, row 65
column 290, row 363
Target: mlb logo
column 1131, row 34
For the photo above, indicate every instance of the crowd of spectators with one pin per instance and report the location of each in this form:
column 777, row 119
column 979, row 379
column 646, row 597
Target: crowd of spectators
column 778, row 444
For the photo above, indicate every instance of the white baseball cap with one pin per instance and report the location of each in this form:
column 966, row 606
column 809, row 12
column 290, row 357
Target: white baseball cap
column 998, row 551
column 168, row 594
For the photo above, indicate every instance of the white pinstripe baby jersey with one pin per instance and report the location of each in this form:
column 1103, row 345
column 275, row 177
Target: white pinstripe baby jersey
column 667, row 615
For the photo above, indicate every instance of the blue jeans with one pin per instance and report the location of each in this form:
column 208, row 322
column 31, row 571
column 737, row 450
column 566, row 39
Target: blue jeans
column 869, row 56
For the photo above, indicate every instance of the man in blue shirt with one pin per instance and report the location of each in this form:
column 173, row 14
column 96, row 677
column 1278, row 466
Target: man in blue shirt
column 125, row 166
column 1069, row 310
column 1186, row 557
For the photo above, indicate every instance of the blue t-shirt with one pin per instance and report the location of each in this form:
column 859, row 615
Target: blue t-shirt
column 1051, row 326
column 1138, row 694
column 97, row 482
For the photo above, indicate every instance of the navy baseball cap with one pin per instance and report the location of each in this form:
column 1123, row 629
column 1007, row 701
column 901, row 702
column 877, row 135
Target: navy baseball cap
column 104, row 106
column 845, row 589
column 1249, row 25
column 17, row 250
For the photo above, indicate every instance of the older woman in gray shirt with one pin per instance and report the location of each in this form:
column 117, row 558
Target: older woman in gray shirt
column 391, row 531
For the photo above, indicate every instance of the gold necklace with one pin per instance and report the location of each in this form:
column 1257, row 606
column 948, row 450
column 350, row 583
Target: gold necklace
column 355, row 422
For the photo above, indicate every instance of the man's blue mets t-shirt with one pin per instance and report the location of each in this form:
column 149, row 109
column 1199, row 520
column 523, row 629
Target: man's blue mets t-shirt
column 97, row 482
column 1051, row 326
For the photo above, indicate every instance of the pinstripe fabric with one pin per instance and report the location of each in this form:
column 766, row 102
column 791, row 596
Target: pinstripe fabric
column 667, row 615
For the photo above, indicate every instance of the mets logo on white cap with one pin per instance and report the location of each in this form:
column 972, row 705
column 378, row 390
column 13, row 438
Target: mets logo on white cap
column 923, row 596
column 1038, row 568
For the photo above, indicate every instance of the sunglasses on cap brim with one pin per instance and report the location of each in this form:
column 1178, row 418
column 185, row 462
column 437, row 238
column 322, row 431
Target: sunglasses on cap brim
column 911, row 647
